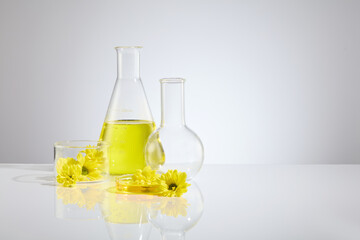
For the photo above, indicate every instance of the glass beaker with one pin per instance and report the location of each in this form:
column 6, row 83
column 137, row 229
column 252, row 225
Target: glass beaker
column 80, row 161
column 174, row 145
column 128, row 122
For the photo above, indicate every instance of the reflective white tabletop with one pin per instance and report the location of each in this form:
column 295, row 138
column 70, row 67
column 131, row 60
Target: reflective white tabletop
column 236, row 202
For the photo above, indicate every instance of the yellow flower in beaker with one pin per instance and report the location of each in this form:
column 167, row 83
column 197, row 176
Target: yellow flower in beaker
column 90, row 169
column 68, row 171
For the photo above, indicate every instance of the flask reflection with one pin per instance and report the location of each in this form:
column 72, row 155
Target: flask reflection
column 131, row 216
column 173, row 216
column 126, row 216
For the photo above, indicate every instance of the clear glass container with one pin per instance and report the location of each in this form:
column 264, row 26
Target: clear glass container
column 79, row 161
column 174, row 145
column 128, row 122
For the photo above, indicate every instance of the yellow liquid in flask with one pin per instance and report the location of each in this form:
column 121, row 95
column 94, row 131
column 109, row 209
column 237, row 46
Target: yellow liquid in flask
column 127, row 139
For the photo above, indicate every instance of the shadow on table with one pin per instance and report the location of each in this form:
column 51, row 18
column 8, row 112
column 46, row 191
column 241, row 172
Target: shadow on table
column 35, row 167
column 43, row 179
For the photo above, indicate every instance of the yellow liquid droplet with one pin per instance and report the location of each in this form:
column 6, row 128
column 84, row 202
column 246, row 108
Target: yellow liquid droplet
column 154, row 152
column 127, row 139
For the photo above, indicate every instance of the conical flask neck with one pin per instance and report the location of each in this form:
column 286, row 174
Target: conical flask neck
column 128, row 100
column 128, row 62
column 172, row 102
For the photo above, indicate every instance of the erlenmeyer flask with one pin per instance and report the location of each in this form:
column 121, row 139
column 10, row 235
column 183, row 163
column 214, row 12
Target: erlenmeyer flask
column 128, row 122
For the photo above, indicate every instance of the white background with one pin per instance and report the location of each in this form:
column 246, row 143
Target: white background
column 267, row 81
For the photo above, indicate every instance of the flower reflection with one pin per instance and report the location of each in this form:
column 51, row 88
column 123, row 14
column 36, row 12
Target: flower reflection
column 173, row 207
column 176, row 215
column 84, row 196
column 131, row 215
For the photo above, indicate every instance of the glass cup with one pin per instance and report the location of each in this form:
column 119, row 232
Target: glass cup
column 80, row 161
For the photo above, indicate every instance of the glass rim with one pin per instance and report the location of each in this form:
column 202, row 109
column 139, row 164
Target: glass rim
column 128, row 47
column 80, row 144
column 172, row 80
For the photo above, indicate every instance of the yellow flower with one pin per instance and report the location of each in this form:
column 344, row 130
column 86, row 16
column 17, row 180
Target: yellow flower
column 92, row 154
column 68, row 171
column 147, row 181
column 173, row 183
column 90, row 170
column 85, row 168
column 145, row 176
column 173, row 207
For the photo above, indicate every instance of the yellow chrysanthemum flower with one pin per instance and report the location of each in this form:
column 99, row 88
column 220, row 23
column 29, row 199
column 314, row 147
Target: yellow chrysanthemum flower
column 90, row 170
column 68, row 171
column 92, row 154
column 173, row 183
column 147, row 181
column 87, row 167
column 147, row 176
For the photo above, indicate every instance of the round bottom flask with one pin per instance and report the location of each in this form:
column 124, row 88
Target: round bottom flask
column 174, row 145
